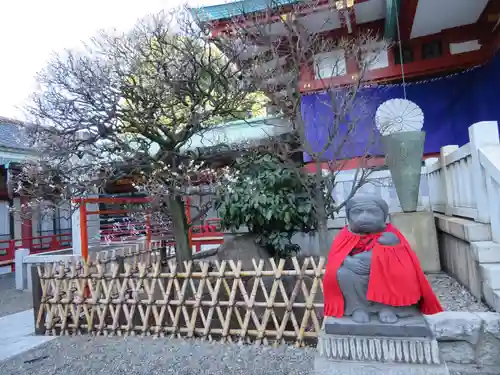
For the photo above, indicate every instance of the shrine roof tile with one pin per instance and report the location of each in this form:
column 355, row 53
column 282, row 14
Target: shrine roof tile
column 235, row 8
column 12, row 135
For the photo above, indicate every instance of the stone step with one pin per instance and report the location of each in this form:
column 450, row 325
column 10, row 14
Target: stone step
column 486, row 251
column 492, row 297
column 490, row 273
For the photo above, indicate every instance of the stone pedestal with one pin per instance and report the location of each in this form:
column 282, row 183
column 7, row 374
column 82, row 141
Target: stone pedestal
column 405, row 348
column 419, row 228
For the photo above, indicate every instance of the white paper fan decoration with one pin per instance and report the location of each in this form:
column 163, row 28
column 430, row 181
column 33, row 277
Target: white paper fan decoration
column 398, row 115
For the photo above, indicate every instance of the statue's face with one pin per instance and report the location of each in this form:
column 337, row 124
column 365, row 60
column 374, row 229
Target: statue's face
column 366, row 217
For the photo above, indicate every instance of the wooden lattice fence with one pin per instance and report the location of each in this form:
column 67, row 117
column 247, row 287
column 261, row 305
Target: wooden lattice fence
column 267, row 302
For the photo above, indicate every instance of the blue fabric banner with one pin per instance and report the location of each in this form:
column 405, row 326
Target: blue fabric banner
column 450, row 105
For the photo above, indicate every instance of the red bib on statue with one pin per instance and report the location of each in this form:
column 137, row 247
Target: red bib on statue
column 396, row 278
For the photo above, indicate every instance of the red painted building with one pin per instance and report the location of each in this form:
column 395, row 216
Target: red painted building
column 437, row 36
column 441, row 50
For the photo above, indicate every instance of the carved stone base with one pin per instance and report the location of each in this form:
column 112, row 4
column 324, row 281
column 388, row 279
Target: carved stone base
column 375, row 349
column 405, row 348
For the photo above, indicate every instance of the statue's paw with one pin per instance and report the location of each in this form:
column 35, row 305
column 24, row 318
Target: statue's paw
column 388, row 239
column 387, row 316
column 360, row 316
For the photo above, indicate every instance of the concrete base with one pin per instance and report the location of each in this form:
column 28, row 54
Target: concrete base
column 323, row 366
column 419, row 228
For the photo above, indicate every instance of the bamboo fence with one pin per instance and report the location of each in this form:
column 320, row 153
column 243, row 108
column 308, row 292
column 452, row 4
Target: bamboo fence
column 268, row 302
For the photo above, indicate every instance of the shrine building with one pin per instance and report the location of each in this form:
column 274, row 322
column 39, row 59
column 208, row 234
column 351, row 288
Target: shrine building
column 442, row 56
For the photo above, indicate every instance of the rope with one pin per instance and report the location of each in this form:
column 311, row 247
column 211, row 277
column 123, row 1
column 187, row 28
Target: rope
column 401, row 62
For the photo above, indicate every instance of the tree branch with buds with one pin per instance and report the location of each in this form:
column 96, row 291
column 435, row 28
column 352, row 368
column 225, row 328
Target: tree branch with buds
column 127, row 106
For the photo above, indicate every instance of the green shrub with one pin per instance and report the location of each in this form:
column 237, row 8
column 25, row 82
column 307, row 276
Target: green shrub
column 273, row 199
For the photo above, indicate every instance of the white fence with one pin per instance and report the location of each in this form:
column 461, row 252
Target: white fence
column 465, row 181
column 380, row 184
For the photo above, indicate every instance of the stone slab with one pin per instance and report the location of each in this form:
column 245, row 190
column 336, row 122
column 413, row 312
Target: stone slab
column 490, row 273
column 455, row 326
column 323, row 366
column 405, row 327
column 485, row 251
column 464, row 229
column 17, row 334
column 419, row 228
column 492, row 297
column 491, row 323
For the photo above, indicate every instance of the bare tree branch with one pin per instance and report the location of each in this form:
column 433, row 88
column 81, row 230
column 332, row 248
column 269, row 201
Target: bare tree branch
column 274, row 48
column 127, row 106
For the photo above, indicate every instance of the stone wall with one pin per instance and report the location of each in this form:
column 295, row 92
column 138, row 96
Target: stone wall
column 308, row 242
column 467, row 338
column 468, row 253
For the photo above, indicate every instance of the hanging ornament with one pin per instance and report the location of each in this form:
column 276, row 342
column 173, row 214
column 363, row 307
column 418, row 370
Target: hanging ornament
column 398, row 115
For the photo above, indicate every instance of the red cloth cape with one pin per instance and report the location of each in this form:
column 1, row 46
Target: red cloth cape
column 396, row 277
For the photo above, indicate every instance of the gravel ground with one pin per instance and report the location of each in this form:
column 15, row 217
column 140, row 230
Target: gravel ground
column 12, row 300
column 138, row 356
column 453, row 296
column 115, row 355
column 148, row 356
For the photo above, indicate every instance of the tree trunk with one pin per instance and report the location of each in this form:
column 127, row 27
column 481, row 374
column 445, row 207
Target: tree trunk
column 323, row 238
column 180, row 226
column 320, row 211
column 319, row 198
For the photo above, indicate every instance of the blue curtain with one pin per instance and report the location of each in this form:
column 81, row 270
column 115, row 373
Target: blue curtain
column 450, row 106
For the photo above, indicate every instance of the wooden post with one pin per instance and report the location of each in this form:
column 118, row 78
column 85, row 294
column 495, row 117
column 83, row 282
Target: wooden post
column 481, row 134
column 36, row 290
column 148, row 232
column 54, row 243
column 187, row 207
column 84, row 237
column 448, row 188
column 26, row 225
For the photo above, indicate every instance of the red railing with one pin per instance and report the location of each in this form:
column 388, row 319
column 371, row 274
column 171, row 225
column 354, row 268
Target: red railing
column 209, row 233
column 131, row 228
column 122, row 228
column 36, row 245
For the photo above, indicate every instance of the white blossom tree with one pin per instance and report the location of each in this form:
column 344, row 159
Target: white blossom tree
column 127, row 105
